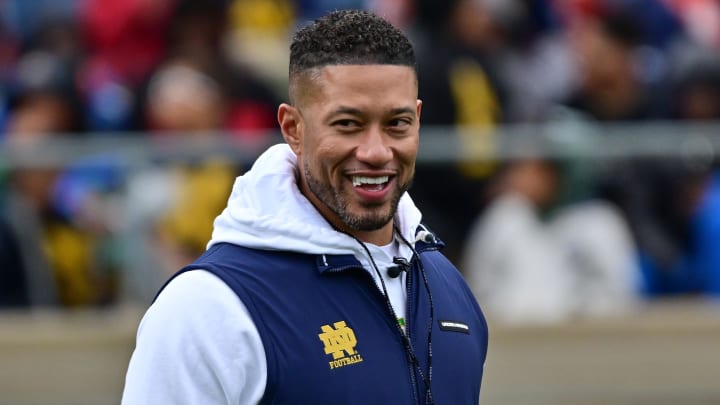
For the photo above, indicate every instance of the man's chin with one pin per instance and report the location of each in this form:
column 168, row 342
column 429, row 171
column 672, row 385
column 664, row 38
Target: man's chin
column 368, row 222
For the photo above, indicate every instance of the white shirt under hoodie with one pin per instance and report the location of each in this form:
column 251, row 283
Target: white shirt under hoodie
column 196, row 343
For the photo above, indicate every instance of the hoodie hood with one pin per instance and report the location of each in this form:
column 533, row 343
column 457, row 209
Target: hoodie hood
column 266, row 210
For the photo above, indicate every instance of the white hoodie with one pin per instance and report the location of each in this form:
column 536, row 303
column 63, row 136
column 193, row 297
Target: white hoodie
column 197, row 343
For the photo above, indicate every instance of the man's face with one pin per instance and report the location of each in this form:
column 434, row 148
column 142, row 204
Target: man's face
column 358, row 137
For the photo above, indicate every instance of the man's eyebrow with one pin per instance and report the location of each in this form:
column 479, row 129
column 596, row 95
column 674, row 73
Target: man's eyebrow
column 346, row 110
column 355, row 111
column 402, row 110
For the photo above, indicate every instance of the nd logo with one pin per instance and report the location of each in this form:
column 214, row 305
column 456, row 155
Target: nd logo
column 338, row 340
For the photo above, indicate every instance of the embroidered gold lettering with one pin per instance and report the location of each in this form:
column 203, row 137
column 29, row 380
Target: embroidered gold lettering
column 340, row 341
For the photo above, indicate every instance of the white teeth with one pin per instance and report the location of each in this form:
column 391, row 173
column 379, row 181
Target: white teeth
column 360, row 180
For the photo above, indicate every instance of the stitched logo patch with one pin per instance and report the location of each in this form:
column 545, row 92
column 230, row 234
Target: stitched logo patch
column 340, row 341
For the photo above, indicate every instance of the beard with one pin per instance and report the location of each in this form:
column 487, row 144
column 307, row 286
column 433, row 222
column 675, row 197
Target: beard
column 370, row 217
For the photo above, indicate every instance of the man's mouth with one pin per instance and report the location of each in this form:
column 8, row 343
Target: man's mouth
column 370, row 183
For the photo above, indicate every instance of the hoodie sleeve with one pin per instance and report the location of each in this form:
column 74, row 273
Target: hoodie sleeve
column 196, row 345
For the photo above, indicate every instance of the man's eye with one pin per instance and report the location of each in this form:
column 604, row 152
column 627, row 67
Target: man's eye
column 346, row 123
column 399, row 123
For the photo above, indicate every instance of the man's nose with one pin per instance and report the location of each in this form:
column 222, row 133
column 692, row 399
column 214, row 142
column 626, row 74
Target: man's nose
column 374, row 148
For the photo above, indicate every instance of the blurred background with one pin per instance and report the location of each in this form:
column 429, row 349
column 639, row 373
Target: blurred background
column 568, row 160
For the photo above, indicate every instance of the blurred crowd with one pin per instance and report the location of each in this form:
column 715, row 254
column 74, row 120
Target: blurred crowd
column 534, row 243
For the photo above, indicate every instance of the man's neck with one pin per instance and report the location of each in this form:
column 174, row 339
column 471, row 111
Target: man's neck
column 379, row 237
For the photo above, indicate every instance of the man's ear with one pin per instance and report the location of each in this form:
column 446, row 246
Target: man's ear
column 291, row 125
column 419, row 108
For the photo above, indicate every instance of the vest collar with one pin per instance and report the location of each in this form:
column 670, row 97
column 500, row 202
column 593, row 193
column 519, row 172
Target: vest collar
column 425, row 241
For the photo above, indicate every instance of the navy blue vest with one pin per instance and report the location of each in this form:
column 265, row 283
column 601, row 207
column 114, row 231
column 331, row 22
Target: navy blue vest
column 329, row 336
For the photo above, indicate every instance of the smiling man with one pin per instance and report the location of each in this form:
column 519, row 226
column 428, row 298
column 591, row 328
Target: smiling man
column 355, row 131
column 320, row 284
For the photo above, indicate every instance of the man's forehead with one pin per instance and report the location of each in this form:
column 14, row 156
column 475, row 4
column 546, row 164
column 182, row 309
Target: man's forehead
column 310, row 82
column 320, row 71
column 381, row 69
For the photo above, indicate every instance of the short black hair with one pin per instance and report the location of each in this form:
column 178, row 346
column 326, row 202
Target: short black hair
column 349, row 37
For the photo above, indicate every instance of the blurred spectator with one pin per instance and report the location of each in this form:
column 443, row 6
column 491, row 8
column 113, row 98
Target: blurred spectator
column 536, row 63
column 197, row 32
column 529, row 265
column 57, row 255
column 185, row 102
column 455, row 42
column 672, row 203
column 182, row 98
column 27, row 206
column 606, row 41
column 459, row 87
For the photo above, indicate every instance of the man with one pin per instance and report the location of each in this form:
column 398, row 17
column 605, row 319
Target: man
column 320, row 285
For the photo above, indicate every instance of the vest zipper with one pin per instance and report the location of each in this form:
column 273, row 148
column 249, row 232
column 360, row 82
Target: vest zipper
column 404, row 334
column 391, row 312
column 408, row 328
